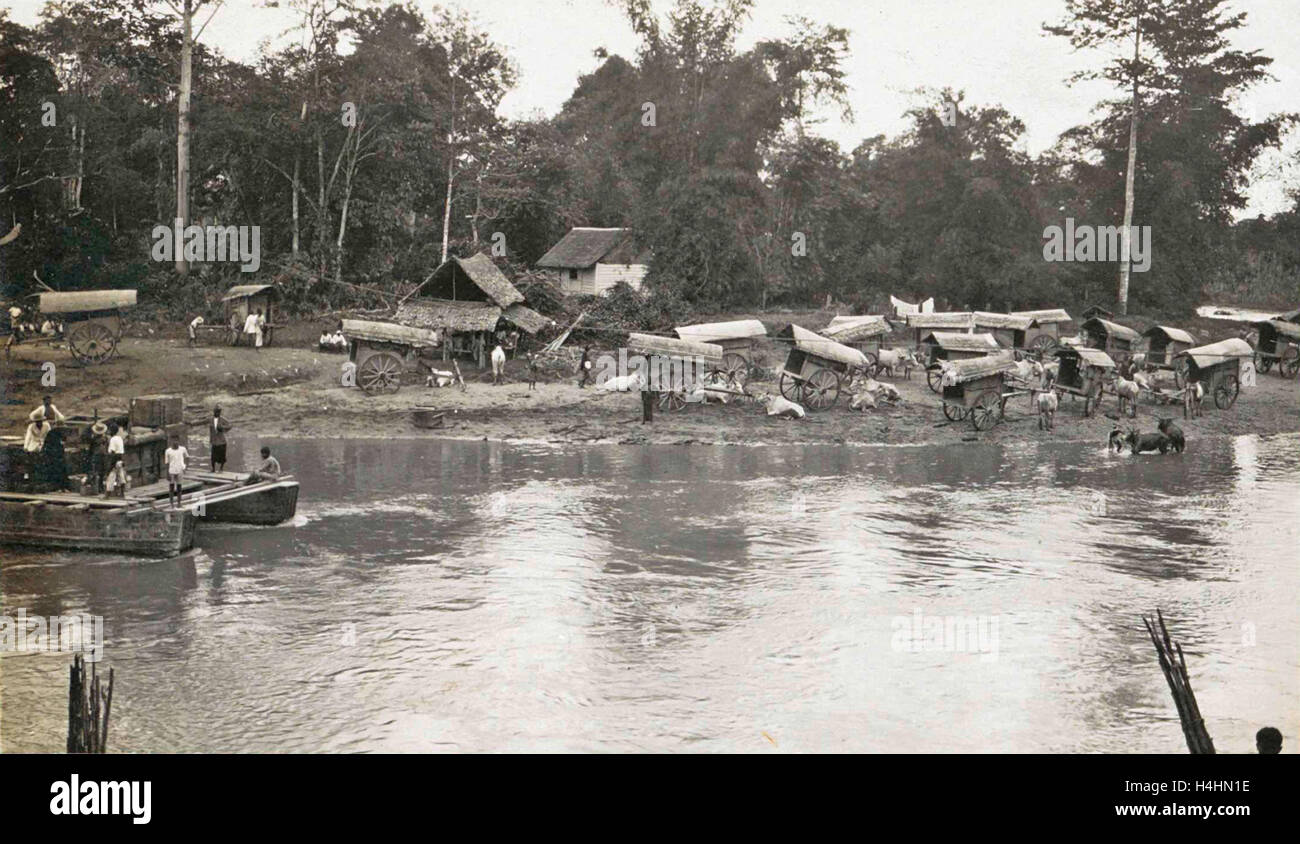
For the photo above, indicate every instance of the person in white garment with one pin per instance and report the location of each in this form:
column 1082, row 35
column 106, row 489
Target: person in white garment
column 118, row 480
column 253, row 328
column 46, row 411
column 175, row 457
column 34, row 439
column 194, row 325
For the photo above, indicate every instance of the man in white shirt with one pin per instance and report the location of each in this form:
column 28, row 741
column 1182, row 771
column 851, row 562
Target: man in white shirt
column 34, row 440
column 251, row 328
column 46, row 412
column 194, row 333
column 175, row 457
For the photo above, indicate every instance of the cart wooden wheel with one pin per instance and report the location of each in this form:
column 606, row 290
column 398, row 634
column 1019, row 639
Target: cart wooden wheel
column 91, row 342
column 822, row 390
column 1042, row 344
column 1263, row 363
column 955, row 413
column 381, row 373
column 1289, row 365
column 672, row 400
column 934, row 377
column 984, row 414
column 1225, row 395
column 791, row 388
column 735, row 366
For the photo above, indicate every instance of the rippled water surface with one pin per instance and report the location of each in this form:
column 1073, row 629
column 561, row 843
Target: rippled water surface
column 441, row 595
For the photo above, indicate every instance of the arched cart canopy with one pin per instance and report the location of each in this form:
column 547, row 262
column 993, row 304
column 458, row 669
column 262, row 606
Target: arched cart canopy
column 86, row 300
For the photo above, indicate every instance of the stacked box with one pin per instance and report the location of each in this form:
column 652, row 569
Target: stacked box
column 157, row 411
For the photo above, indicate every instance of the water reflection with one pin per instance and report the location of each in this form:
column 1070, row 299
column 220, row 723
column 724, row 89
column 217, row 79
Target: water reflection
column 455, row 595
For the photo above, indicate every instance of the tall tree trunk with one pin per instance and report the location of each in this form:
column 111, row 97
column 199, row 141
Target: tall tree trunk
column 446, row 210
column 1127, row 233
column 183, row 127
column 297, row 168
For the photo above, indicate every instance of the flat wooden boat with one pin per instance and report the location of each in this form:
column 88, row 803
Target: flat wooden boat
column 228, row 497
column 90, row 523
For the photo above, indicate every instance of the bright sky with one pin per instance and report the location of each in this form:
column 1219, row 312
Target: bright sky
column 993, row 49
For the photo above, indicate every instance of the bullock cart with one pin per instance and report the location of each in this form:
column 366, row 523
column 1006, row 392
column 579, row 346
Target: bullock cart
column 1045, row 334
column 676, row 366
column 736, row 339
column 941, row 347
column 1217, row 368
column 1084, row 371
column 92, row 323
column 864, row 333
column 382, row 351
column 1279, row 342
column 1164, row 345
column 976, row 389
column 1117, row 341
column 817, row 368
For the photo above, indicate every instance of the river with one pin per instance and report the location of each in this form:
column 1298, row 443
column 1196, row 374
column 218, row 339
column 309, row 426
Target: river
column 440, row 595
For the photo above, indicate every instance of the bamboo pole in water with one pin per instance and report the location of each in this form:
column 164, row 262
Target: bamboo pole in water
column 1174, row 667
column 87, row 726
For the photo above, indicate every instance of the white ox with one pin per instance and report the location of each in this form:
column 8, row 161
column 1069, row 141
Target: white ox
column 781, row 406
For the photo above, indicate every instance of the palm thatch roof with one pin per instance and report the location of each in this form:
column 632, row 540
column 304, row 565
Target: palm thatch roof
column 1207, row 356
column 961, row 371
column 709, row 331
column 942, row 319
column 822, row 347
column 1090, row 357
column 956, row 341
column 446, row 315
column 525, row 317
column 851, row 329
column 86, row 300
column 242, row 291
column 388, row 332
column 1014, row 322
column 652, row 344
column 1046, row 316
column 473, row 279
column 583, row 247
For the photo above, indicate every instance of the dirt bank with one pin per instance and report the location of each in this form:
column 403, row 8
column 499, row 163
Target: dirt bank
column 296, row 392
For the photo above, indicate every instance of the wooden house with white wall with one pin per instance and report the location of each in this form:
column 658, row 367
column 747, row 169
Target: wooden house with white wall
column 591, row 261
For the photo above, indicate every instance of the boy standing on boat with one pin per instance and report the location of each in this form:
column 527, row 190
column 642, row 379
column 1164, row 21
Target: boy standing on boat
column 175, row 457
column 217, row 439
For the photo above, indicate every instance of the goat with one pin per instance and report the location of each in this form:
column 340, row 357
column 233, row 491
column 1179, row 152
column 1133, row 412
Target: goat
column 1175, row 434
column 1047, row 402
column 1127, row 392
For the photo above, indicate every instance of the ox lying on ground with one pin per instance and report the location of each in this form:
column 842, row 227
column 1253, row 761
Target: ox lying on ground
column 624, row 383
column 781, row 406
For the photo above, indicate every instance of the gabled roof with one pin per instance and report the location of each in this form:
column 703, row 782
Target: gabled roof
column 956, row 341
column 707, row 332
column 241, row 291
column 961, row 371
column 1206, row 356
column 86, row 300
column 1015, row 322
column 440, row 314
column 942, row 319
column 583, row 247
column 822, row 347
column 387, row 332
column 470, row 279
column 851, row 329
column 1046, row 316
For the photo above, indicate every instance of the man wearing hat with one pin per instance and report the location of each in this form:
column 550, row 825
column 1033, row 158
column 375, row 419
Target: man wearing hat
column 96, row 455
column 217, row 439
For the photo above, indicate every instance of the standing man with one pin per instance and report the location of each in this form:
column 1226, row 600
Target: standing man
column 97, row 463
column 175, row 457
column 532, row 370
column 217, row 439
column 47, row 412
column 194, row 325
column 584, row 367
column 252, row 328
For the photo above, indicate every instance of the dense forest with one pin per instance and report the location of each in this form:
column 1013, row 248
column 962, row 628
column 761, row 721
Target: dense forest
column 374, row 145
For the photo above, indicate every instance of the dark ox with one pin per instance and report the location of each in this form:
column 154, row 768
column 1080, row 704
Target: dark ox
column 1139, row 443
column 1175, row 434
